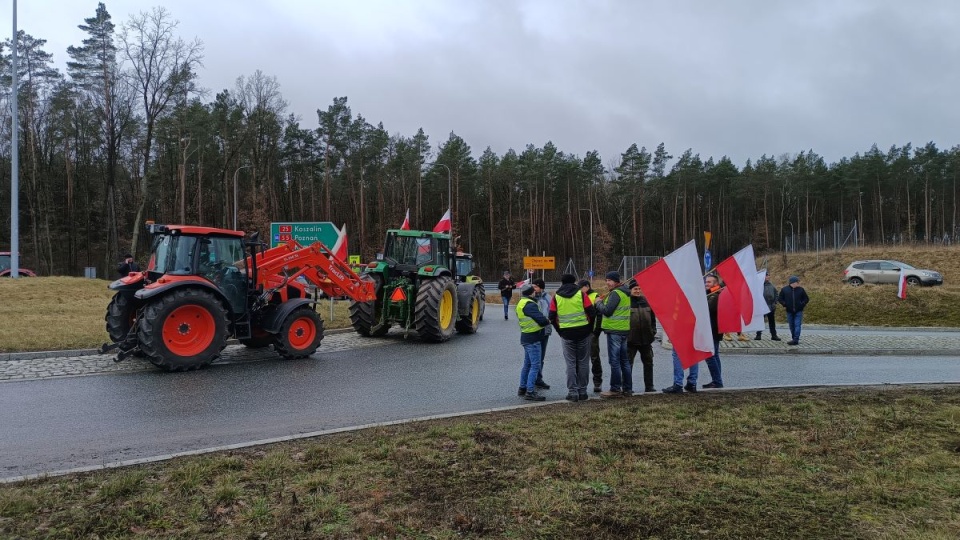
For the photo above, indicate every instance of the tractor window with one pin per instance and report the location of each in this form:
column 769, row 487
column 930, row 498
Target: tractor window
column 174, row 254
column 424, row 251
column 409, row 250
column 217, row 256
column 464, row 266
column 4, row 262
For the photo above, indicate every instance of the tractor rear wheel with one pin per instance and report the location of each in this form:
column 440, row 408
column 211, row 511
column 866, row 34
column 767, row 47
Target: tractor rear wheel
column 468, row 323
column 121, row 316
column 300, row 335
column 183, row 330
column 435, row 314
column 365, row 316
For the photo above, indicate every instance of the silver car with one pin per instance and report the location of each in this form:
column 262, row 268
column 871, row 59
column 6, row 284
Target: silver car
column 879, row 272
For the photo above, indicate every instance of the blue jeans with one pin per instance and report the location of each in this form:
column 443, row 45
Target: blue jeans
column 506, row 305
column 531, row 366
column 678, row 372
column 794, row 321
column 621, row 372
column 713, row 364
column 543, row 356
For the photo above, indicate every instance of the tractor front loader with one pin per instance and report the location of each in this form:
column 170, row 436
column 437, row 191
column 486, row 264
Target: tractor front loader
column 421, row 286
column 201, row 288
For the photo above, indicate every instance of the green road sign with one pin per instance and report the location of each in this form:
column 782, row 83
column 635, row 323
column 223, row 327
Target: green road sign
column 304, row 232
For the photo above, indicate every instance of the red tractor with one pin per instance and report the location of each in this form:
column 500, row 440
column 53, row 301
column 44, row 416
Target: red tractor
column 201, row 288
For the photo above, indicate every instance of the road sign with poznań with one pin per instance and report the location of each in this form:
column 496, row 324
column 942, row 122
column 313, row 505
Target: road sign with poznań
column 539, row 263
column 304, row 232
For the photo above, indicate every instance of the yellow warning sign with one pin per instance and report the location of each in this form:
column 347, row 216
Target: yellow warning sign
column 539, row 263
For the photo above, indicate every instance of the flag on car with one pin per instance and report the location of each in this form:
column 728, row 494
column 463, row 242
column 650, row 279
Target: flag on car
column 674, row 288
column 406, row 222
column 902, row 288
column 444, row 224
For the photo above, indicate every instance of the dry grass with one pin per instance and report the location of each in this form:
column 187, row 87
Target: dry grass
column 52, row 313
column 829, row 463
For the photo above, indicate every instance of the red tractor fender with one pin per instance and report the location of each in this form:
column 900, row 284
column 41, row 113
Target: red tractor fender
column 170, row 283
column 129, row 283
column 273, row 320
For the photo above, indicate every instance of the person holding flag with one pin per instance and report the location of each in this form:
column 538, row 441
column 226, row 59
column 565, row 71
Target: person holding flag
column 712, row 286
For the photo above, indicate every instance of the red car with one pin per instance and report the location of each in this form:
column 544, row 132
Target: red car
column 5, row 266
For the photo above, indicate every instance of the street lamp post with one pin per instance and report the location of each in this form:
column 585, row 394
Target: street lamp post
column 590, row 273
column 236, row 202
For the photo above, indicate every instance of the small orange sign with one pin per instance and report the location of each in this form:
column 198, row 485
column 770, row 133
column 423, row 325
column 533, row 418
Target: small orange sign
column 398, row 295
column 539, row 263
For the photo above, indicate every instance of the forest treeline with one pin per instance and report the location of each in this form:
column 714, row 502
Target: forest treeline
column 126, row 135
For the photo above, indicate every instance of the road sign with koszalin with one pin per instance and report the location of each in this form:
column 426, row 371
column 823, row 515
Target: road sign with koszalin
column 539, row 263
column 304, row 232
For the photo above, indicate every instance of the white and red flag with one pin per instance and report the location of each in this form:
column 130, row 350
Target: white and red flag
column 738, row 273
column 674, row 288
column 406, row 222
column 340, row 248
column 902, row 287
column 760, row 307
column 444, row 224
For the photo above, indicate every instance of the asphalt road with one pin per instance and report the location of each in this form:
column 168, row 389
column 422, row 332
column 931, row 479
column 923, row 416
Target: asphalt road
column 64, row 423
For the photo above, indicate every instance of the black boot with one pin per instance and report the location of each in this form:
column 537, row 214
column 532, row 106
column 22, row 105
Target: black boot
column 648, row 378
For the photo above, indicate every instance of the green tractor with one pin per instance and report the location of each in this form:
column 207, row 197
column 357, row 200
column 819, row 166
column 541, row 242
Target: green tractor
column 422, row 285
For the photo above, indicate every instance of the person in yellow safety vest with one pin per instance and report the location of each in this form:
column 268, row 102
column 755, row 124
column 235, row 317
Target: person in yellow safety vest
column 531, row 322
column 615, row 309
column 571, row 313
column 596, row 365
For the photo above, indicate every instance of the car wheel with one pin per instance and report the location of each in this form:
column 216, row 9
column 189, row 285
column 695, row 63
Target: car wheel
column 913, row 280
column 856, row 282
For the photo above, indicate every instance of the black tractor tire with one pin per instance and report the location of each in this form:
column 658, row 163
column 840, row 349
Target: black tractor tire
column 365, row 316
column 469, row 323
column 183, row 330
column 121, row 316
column 300, row 335
column 435, row 313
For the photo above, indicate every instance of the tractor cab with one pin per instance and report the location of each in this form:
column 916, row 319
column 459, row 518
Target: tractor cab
column 466, row 268
column 215, row 255
column 409, row 250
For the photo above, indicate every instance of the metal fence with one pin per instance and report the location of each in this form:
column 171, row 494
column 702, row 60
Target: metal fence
column 631, row 264
column 833, row 237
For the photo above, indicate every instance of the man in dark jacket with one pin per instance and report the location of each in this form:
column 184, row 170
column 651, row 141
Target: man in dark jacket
column 571, row 313
column 531, row 322
column 643, row 331
column 127, row 265
column 793, row 298
column 506, row 287
column 770, row 297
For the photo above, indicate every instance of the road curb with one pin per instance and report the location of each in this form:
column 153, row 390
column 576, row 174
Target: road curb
column 33, row 355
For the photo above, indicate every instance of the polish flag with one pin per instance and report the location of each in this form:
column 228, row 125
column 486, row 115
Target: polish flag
column 522, row 283
column 674, row 288
column 406, row 222
column 902, row 287
column 738, row 273
column 444, row 224
column 340, row 248
column 760, row 307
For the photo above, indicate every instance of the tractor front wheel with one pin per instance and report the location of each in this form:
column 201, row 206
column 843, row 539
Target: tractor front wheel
column 300, row 334
column 183, row 330
column 121, row 316
column 435, row 314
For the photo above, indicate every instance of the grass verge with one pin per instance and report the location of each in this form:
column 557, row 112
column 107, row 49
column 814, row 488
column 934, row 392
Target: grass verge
column 813, row 463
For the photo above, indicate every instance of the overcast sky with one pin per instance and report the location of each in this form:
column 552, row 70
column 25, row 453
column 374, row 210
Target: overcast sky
column 736, row 78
